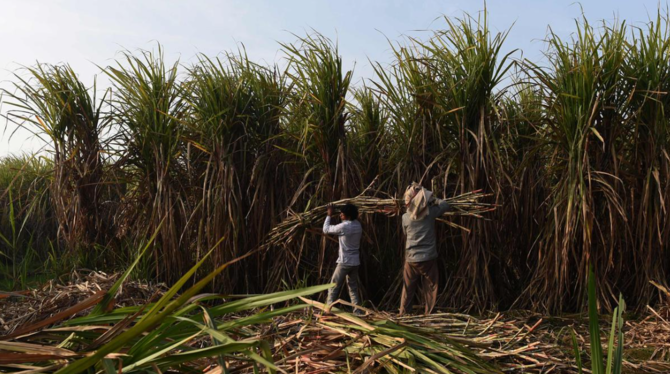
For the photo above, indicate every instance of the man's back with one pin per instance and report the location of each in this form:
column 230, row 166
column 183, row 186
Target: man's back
column 421, row 243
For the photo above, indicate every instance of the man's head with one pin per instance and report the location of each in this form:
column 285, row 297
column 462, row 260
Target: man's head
column 417, row 200
column 411, row 191
column 349, row 212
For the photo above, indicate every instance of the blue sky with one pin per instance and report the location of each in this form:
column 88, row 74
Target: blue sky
column 86, row 33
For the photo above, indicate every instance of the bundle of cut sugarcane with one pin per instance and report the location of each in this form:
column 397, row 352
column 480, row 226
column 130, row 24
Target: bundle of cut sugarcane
column 468, row 204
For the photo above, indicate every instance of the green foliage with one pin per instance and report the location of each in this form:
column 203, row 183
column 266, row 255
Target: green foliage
column 614, row 353
column 25, row 227
column 319, row 114
column 149, row 107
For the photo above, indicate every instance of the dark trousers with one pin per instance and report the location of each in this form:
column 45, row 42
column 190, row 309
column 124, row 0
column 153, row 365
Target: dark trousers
column 427, row 271
column 350, row 275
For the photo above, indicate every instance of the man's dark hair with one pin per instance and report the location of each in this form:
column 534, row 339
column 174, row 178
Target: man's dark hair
column 350, row 211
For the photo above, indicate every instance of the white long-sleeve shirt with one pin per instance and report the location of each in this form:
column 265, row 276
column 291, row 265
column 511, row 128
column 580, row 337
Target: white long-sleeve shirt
column 349, row 236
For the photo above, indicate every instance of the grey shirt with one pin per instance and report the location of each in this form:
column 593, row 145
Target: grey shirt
column 421, row 244
column 349, row 236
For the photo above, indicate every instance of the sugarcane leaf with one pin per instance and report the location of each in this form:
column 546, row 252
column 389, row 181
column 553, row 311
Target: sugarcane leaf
column 158, row 353
column 594, row 326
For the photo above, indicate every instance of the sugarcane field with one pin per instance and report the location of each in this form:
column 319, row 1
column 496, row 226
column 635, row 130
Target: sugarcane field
column 364, row 187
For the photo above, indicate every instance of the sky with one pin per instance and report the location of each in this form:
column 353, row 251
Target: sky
column 88, row 35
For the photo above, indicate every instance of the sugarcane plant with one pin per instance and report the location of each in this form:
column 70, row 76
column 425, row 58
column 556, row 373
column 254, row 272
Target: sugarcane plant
column 148, row 108
column 614, row 363
column 319, row 113
column 647, row 69
column 369, row 121
column 469, row 60
column 25, row 221
column 235, row 107
column 58, row 108
column 584, row 123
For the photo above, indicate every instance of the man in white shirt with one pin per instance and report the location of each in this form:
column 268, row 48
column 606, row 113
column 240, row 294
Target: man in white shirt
column 349, row 233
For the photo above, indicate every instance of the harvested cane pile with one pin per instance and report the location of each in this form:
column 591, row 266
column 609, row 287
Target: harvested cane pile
column 648, row 341
column 465, row 205
column 304, row 336
column 26, row 307
column 528, row 342
column 520, row 342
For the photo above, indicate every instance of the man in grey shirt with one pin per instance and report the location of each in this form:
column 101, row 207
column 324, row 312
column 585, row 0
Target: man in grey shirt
column 349, row 233
column 421, row 252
